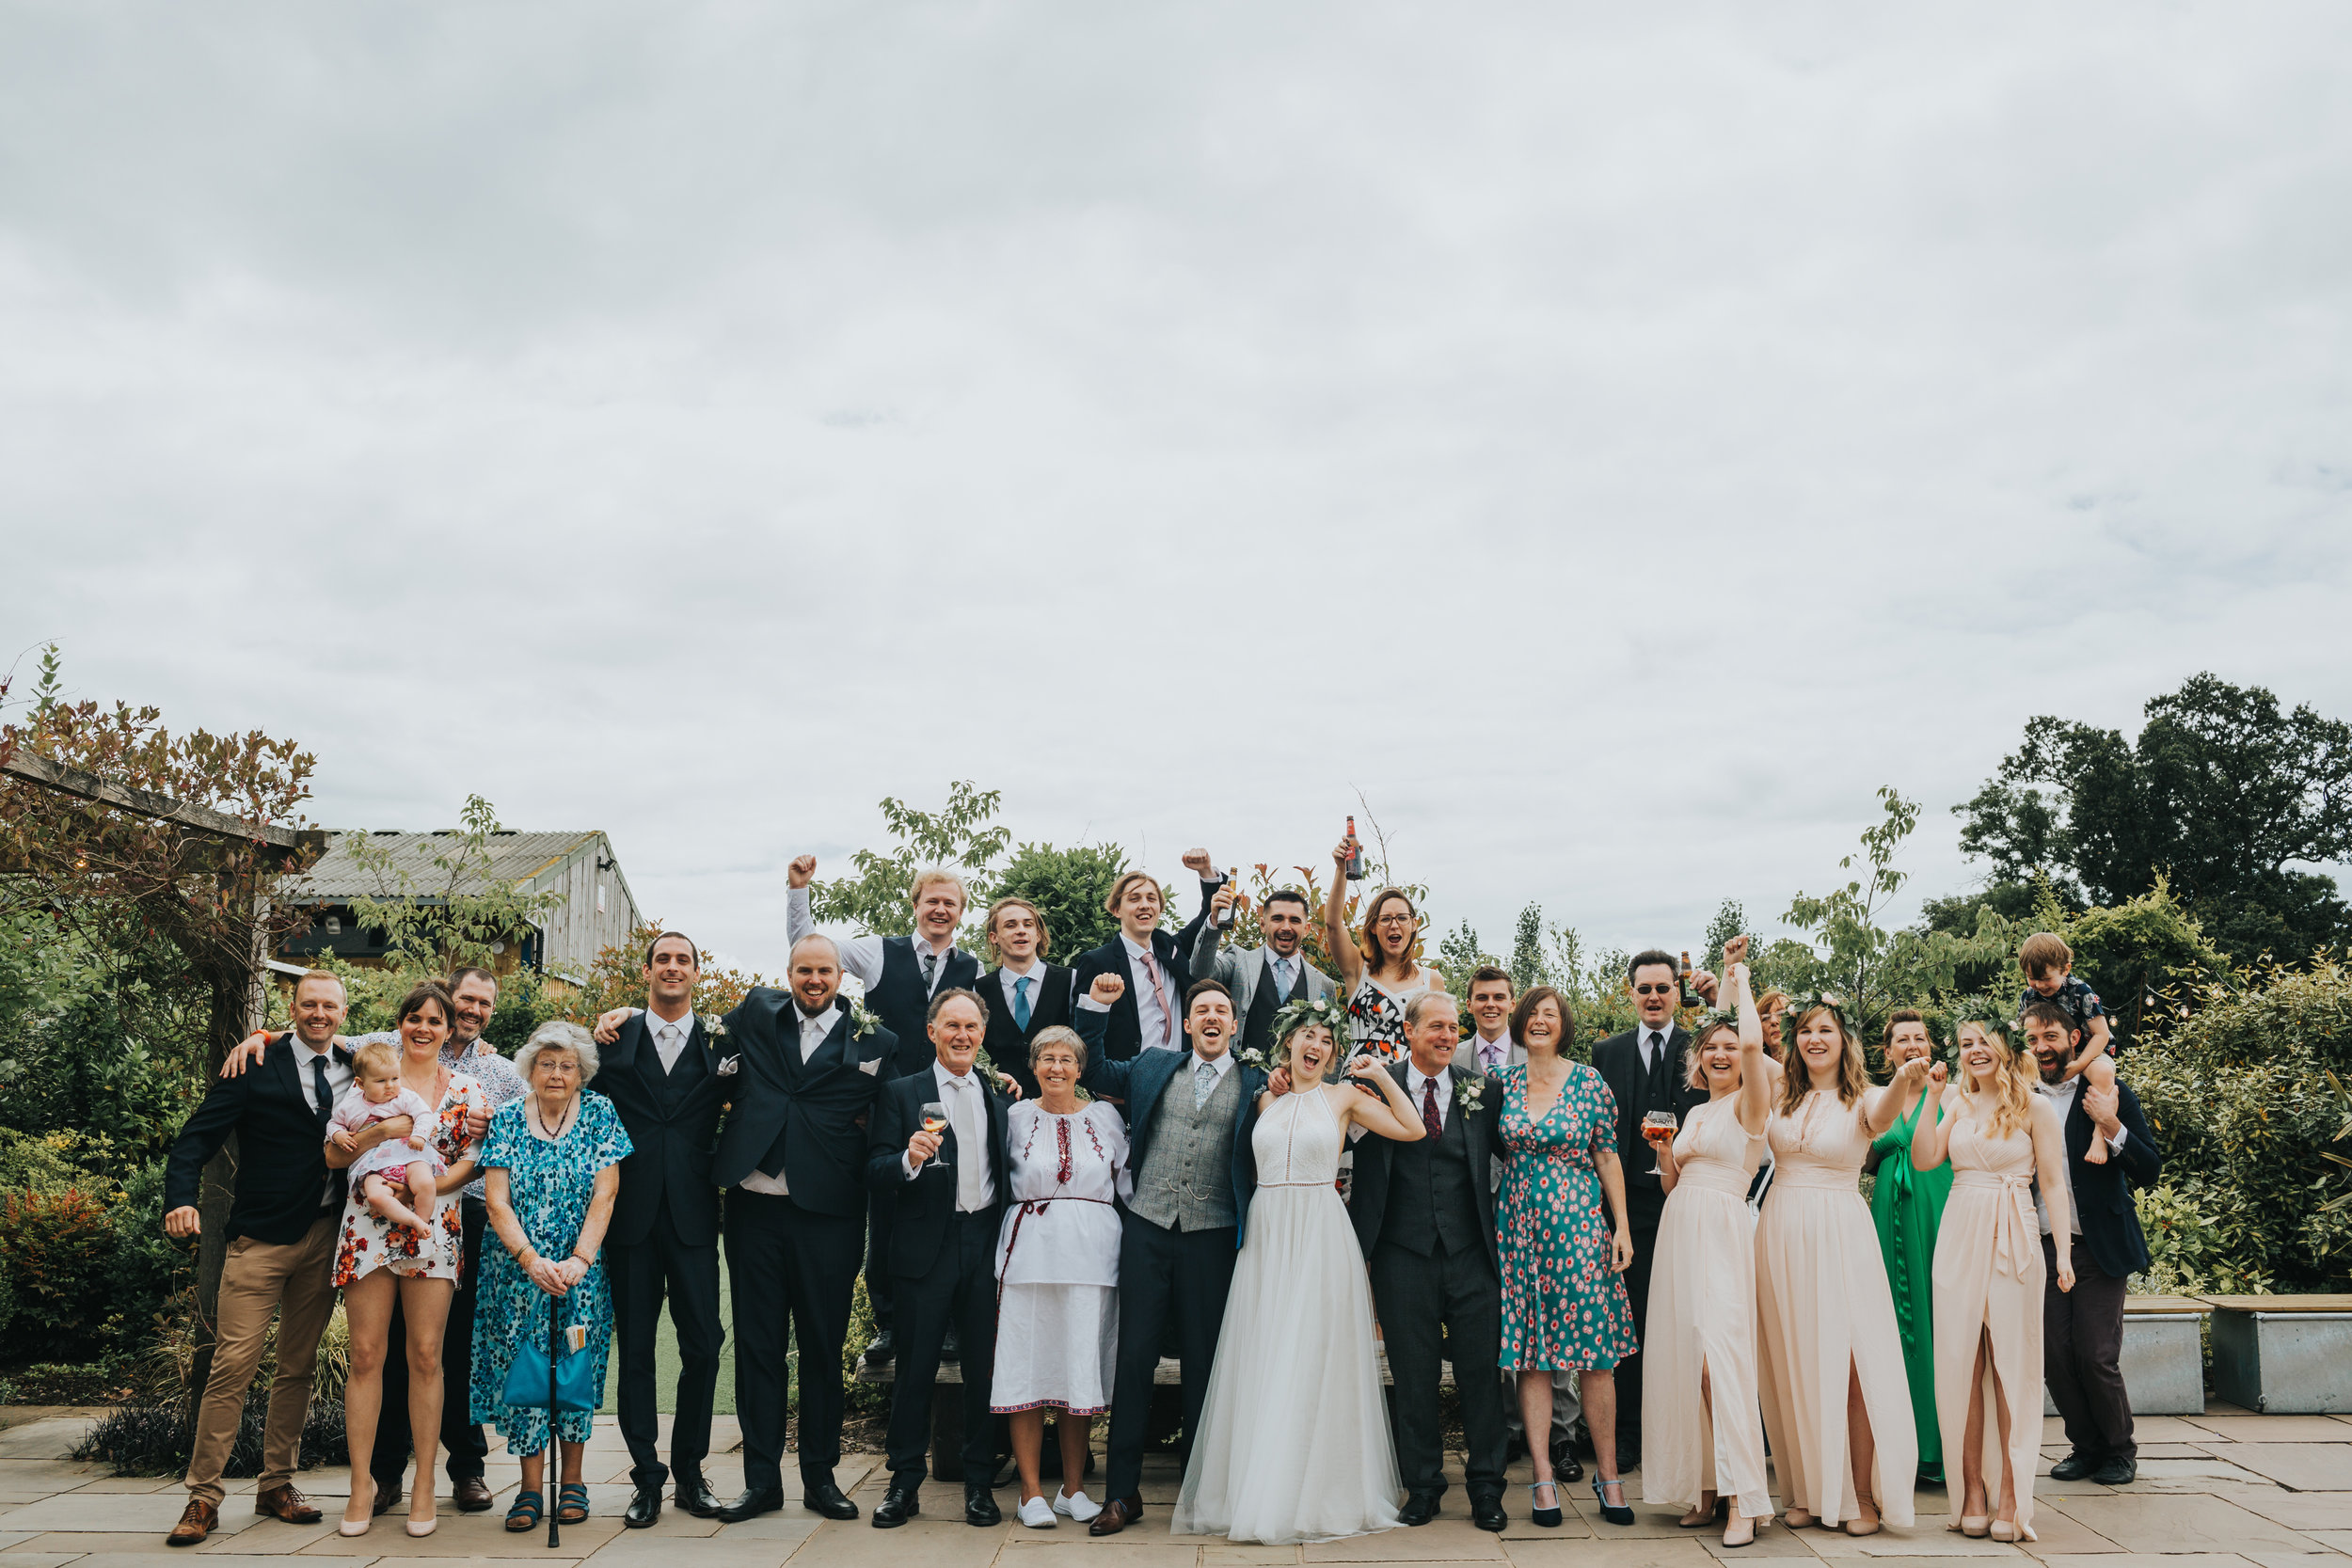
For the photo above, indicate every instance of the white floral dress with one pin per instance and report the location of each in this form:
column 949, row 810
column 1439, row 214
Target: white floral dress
column 368, row 1241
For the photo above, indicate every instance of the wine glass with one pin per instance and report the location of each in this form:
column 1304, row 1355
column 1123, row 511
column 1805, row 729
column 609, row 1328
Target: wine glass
column 1659, row 1127
column 935, row 1120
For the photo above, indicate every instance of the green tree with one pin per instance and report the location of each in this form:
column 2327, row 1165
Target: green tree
column 959, row 836
column 448, row 917
column 1529, row 965
column 2222, row 792
column 2139, row 954
column 1068, row 886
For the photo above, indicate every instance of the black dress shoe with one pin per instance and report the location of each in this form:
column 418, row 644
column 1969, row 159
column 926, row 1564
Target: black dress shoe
column 644, row 1507
column 751, row 1505
column 819, row 1494
column 979, row 1507
column 1565, row 1465
column 899, row 1504
column 1487, row 1513
column 880, row 1349
column 2118, row 1470
column 693, row 1495
column 2076, row 1465
column 1419, row 1509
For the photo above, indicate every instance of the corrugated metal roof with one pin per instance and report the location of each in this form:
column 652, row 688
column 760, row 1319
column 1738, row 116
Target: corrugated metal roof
column 515, row 856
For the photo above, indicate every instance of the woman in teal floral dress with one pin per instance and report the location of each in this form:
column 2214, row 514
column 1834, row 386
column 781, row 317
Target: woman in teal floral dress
column 1564, row 1302
column 553, row 1161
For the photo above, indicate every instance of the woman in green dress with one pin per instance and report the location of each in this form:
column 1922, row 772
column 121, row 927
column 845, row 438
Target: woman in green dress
column 1908, row 1205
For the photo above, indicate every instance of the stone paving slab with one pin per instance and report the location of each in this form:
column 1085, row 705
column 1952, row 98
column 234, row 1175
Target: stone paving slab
column 2262, row 1429
column 2303, row 1466
column 2165, row 1525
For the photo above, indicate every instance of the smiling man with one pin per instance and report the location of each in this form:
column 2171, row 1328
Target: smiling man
column 1263, row 977
column 1154, row 969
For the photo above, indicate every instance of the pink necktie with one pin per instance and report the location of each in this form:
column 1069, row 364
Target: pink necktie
column 1151, row 973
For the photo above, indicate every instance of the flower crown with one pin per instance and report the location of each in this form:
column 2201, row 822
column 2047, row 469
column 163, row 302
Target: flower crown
column 1987, row 1013
column 1799, row 1005
column 1311, row 1012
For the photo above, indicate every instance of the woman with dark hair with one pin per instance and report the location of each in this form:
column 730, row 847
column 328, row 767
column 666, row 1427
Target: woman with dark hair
column 1907, row 1204
column 1704, row 1441
column 1379, row 969
column 375, row 1257
column 1837, row 1400
column 1564, row 1299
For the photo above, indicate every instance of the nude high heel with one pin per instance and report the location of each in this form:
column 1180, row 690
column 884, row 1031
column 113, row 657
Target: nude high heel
column 1742, row 1528
column 1864, row 1526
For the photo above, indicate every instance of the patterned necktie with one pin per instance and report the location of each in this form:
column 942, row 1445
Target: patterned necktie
column 931, row 968
column 1020, row 1004
column 1203, row 1084
column 1151, row 973
column 1429, row 1108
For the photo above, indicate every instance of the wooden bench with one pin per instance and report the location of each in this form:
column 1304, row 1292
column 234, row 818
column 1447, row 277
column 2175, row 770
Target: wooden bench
column 2284, row 1355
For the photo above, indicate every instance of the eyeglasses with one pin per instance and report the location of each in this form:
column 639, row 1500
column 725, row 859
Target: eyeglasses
column 1653, row 990
column 1394, row 920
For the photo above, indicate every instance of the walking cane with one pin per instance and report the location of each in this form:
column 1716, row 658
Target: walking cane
column 555, row 1348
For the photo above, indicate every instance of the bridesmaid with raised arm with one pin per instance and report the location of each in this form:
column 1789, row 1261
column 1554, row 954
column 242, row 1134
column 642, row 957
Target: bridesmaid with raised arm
column 1379, row 970
column 1836, row 1403
column 2000, row 1137
column 1907, row 1204
column 1699, row 1412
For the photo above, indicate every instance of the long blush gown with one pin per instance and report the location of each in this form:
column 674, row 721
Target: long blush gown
column 1295, row 1442
column 1989, row 1275
column 1825, row 1309
column 1702, row 1315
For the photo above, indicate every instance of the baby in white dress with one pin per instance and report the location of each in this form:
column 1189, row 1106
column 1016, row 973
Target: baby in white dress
column 377, row 1094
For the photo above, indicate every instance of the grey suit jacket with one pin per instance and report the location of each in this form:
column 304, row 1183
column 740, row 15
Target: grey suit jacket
column 1239, row 969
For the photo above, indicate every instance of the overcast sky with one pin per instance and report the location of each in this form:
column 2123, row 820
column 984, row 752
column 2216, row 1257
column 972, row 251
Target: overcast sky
column 1615, row 439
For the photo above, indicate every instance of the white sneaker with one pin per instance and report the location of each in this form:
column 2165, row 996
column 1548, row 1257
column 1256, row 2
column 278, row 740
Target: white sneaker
column 1077, row 1505
column 1037, row 1514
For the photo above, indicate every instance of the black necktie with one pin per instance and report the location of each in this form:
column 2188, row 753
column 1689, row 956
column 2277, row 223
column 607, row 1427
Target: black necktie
column 326, row 1097
column 1656, row 1065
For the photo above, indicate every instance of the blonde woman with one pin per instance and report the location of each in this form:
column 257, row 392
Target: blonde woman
column 1699, row 1416
column 1837, row 1400
column 1990, row 1276
column 1379, row 970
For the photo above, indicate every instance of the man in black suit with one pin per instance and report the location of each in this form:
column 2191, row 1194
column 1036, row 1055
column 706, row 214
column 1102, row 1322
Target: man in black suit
column 1645, row 1072
column 901, row 976
column 1153, row 968
column 801, row 1079
column 2082, row 1329
column 946, row 1190
column 285, row 1211
column 1035, row 995
column 662, row 1073
column 1424, row 1215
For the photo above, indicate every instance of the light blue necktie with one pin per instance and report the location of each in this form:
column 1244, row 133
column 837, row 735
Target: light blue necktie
column 1283, row 979
column 1021, row 1003
column 1203, row 1085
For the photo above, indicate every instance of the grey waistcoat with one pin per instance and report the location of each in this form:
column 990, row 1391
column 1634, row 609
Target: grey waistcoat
column 1186, row 1182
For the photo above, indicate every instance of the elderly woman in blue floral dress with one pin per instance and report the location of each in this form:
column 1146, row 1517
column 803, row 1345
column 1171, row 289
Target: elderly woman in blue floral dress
column 1563, row 1301
column 553, row 1161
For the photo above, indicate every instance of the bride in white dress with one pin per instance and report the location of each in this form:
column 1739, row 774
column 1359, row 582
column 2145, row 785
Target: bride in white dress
column 1294, row 1442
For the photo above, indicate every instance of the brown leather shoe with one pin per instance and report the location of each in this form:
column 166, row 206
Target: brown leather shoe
column 473, row 1494
column 284, row 1502
column 195, row 1523
column 1117, row 1517
column 386, row 1499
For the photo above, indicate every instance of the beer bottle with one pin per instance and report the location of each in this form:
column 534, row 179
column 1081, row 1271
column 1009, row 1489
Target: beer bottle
column 1686, row 979
column 1356, row 861
column 1232, row 879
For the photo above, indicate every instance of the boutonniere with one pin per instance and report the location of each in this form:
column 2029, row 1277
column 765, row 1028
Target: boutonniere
column 715, row 1027
column 730, row 1066
column 862, row 1022
column 1469, row 1090
column 1259, row 1058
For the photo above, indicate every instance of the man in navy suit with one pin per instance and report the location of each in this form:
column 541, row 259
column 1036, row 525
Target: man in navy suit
column 801, row 1078
column 2082, row 1329
column 662, row 1073
column 285, row 1211
column 1154, row 969
column 946, row 1190
column 1190, row 1115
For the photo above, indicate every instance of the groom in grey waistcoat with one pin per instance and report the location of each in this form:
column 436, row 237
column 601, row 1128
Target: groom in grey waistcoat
column 1189, row 1117
column 1424, row 1215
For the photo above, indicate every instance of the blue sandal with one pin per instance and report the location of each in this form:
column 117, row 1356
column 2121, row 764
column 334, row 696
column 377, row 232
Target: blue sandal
column 528, row 1509
column 571, row 1503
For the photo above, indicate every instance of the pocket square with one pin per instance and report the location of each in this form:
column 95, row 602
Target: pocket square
column 730, row 1066
column 872, row 1064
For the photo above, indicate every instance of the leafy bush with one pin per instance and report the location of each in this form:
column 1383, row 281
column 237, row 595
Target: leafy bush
column 2137, row 951
column 55, row 1247
column 1067, row 887
column 157, row 1439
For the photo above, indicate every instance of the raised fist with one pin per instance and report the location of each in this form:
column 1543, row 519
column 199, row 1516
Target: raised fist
column 1108, row 988
column 801, row 870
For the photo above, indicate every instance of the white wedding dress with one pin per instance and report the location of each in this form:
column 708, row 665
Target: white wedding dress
column 1294, row 1442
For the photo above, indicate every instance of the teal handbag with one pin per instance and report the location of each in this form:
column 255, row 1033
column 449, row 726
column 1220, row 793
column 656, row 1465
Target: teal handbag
column 544, row 1376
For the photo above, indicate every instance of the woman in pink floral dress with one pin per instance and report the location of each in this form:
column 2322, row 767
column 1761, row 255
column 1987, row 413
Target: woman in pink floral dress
column 1563, row 1301
column 374, row 1259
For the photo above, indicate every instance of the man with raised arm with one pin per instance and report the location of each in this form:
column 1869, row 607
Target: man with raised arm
column 1263, row 977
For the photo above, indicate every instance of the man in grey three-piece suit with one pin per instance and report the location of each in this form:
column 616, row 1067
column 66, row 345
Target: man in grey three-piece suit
column 1424, row 1215
column 1262, row 978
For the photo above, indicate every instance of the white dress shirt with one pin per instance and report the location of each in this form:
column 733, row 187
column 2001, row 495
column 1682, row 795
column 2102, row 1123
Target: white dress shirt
column 338, row 1080
column 1415, row 1078
column 860, row 956
column 813, row 1033
column 2061, row 1097
column 1653, row 1043
column 669, row 1039
column 1035, row 975
column 1149, row 1012
column 1491, row 1053
column 966, row 1098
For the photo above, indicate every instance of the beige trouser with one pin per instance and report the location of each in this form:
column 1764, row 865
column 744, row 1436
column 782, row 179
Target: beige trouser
column 296, row 1280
